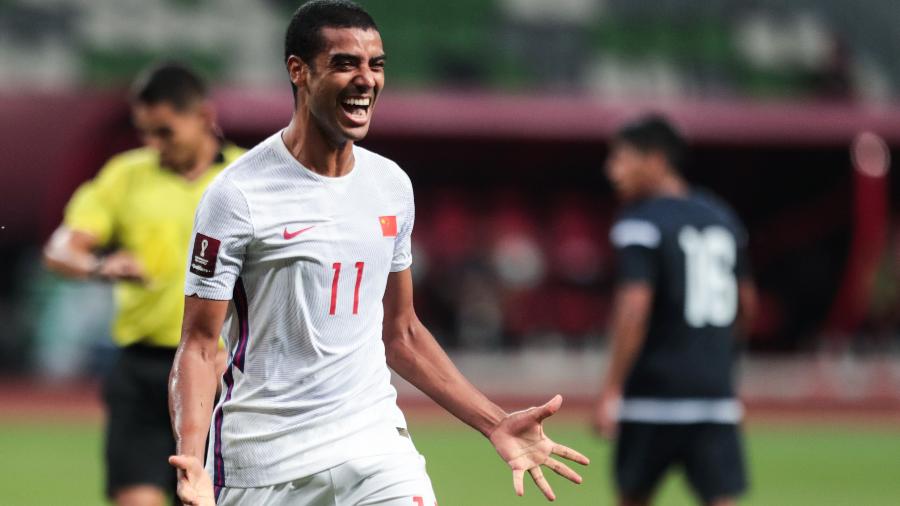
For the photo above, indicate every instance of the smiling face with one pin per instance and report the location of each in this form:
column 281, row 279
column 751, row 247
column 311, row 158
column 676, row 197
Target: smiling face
column 342, row 83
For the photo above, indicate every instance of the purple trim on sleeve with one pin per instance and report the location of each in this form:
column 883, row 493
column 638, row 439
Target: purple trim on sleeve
column 240, row 304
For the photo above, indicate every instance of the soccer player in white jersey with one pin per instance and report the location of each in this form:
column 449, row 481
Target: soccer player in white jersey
column 302, row 249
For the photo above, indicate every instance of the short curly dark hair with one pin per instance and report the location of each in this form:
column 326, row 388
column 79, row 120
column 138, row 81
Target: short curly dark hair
column 303, row 38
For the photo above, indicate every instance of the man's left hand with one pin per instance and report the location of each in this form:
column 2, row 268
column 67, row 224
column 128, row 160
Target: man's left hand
column 520, row 440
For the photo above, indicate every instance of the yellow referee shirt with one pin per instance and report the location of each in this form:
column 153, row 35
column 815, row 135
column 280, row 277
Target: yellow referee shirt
column 136, row 205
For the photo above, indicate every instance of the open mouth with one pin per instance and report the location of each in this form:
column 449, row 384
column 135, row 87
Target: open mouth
column 357, row 108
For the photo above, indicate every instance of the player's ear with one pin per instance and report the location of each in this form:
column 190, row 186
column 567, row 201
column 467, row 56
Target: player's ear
column 207, row 112
column 658, row 161
column 298, row 71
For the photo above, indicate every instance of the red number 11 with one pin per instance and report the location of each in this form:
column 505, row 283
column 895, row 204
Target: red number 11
column 334, row 286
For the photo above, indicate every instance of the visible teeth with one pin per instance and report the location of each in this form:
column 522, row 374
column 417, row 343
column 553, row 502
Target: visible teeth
column 360, row 102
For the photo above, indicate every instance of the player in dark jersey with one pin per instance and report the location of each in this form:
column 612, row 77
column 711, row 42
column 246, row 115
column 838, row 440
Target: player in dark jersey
column 682, row 297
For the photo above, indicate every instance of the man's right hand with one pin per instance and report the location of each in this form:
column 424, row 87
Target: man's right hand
column 195, row 487
column 120, row 266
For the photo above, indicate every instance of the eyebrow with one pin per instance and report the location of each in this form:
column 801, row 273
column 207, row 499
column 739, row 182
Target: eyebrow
column 347, row 56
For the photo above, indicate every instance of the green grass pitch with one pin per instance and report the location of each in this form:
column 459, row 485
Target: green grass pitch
column 58, row 463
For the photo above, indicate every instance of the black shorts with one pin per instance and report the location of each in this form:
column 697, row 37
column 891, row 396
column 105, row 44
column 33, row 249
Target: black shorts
column 138, row 432
column 711, row 455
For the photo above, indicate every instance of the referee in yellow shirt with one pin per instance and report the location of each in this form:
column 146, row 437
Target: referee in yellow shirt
column 139, row 210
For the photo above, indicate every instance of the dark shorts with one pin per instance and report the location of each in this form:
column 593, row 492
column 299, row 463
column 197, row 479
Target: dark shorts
column 138, row 433
column 710, row 454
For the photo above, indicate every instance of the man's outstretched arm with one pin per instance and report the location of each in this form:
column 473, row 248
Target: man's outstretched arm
column 416, row 356
column 192, row 389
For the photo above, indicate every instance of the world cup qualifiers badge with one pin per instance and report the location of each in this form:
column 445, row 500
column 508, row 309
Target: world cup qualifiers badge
column 206, row 252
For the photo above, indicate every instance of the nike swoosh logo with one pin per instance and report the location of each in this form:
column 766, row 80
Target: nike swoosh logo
column 291, row 235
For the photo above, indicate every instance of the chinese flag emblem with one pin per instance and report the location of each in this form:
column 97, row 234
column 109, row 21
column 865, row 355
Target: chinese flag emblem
column 388, row 226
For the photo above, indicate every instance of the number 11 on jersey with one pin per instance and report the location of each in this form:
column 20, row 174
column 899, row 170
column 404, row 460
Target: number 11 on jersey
column 334, row 286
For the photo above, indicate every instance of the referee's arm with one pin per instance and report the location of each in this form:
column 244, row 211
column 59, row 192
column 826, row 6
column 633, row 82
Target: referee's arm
column 70, row 252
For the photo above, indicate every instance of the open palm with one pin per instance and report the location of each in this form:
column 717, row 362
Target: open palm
column 520, row 440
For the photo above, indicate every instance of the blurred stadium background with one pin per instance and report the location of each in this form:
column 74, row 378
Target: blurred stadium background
column 499, row 110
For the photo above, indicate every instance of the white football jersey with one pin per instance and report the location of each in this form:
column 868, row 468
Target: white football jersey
column 304, row 259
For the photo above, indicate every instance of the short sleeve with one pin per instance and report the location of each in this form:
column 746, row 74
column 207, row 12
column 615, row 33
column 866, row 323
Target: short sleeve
column 403, row 244
column 92, row 208
column 636, row 242
column 222, row 230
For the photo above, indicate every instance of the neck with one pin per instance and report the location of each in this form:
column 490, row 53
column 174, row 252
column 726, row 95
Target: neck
column 310, row 146
column 206, row 155
column 671, row 186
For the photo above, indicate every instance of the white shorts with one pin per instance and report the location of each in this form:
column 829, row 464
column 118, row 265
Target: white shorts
column 385, row 480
